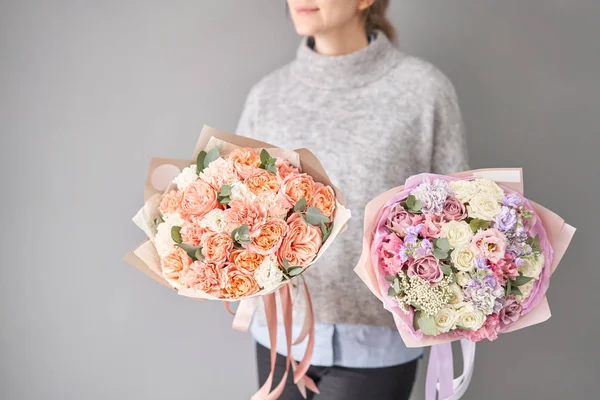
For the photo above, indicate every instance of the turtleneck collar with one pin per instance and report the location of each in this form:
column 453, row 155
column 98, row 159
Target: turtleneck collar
column 350, row 70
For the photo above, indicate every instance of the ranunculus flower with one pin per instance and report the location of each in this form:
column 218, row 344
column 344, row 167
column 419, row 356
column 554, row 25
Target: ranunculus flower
column 463, row 259
column 295, row 187
column 261, row 181
column 220, row 172
column 267, row 238
column 240, row 283
column 464, row 190
column 399, row 219
column 323, row 198
column 192, row 232
column 245, row 212
column 445, row 320
column 199, row 199
column 206, row 277
column 285, row 168
column 511, row 311
column 432, row 227
column 174, row 263
column 171, row 202
column 216, row 247
column 301, row 243
column 489, row 330
column 490, row 188
column 426, row 268
column 245, row 161
column 390, row 254
column 458, row 233
column 490, row 244
column 484, row 206
column 246, row 259
column 454, row 209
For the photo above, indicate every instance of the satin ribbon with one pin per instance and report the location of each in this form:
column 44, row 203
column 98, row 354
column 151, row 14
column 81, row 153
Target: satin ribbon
column 440, row 372
column 242, row 320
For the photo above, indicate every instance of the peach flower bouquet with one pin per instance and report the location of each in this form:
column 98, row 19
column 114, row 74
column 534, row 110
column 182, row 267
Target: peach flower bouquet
column 242, row 220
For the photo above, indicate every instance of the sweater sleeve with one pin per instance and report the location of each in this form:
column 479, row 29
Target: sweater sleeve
column 449, row 153
column 249, row 114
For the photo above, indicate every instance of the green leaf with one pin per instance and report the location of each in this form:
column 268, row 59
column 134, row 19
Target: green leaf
column 410, row 201
column 225, row 190
column 200, row 162
column 176, row 235
column 265, row 157
column 300, row 205
column 286, row 264
column 294, row 271
column 224, row 200
column 272, row 168
column 426, row 325
column 521, row 280
column 534, row 243
column 190, row 250
column 416, row 317
column 241, row 235
column 198, row 254
column 391, row 291
column 325, row 232
column 211, row 156
column 303, row 218
column 516, row 291
column 396, row 285
column 508, row 287
column 390, row 278
column 416, row 208
column 161, row 217
column 440, row 255
column 446, row 270
column 443, row 244
column 477, row 224
column 314, row 216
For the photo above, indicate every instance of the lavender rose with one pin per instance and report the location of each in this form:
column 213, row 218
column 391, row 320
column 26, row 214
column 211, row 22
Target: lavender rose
column 454, row 210
column 399, row 219
column 506, row 220
column 511, row 311
column 512, row 200
column 426, row 268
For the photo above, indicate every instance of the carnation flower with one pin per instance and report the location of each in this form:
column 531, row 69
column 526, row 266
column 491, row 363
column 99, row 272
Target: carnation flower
column 432, row 195
column 186, row 177
column 268, row 275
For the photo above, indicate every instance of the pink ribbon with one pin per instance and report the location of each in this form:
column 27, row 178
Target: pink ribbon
column 440, row 369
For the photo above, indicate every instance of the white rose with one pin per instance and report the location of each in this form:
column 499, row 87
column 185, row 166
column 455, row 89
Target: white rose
column 268, row 275
column 464, row 190
column 445, row 320
column 526, row 290
column 163, row 241
column 463, row 259
column 533, row 266
column 469, row 318
column 491, row 188
column 484, row 206
column 186, row 177
column 458, row 233
column 463, row 278
column 240, row 191
column 215, row 221
column 457, row 294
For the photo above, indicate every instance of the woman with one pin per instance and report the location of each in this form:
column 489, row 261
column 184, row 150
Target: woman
column 373, row 116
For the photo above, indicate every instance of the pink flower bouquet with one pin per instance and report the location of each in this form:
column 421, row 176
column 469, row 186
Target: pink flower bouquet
column 461, row 257
column 242, row 220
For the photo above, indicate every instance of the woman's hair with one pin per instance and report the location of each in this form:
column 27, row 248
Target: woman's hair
column 376, row 19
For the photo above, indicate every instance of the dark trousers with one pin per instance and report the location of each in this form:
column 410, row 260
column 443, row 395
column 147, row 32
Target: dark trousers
column 338, row 383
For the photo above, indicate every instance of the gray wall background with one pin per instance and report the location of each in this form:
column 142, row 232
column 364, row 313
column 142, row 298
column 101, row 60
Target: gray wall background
column 90, row 90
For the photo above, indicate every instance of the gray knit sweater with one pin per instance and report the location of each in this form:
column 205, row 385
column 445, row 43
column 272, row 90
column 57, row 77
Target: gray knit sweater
column 373, row 118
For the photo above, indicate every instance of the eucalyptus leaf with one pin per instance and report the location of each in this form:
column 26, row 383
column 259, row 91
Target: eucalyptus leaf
column 272, row 168
column 286, row 264
column 198, row 254
column 211, row 156
column 325, row 232
column 417, row 206
column 440, row 255
column 396, row 285
column 410, row 201
column 416, row 317
column 176, row 235
column 190, row 250
column 294, row 271
column 200, row 162
column 241, row 235
column 427, row 325
column 225, row 190
column 300, row 205
column 521, row 280
column 516, row 291
column 314, row 216
column 391, row 291
column 443, row 244
column 390, row 278
column 446, row 270
column 508, row 287
column 265, row 157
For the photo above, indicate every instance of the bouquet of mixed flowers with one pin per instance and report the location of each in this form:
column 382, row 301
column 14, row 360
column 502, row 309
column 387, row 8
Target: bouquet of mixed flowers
column 461, row 257
column 242, row 220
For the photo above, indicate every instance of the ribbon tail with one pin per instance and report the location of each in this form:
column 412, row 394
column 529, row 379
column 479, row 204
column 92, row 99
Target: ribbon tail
column 446, row 370
column 309, row 324
column 432, row 375
column 244, row 314
column 271, row 316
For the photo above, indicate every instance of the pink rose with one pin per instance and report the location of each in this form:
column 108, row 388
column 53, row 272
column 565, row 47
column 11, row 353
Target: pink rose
column 432, row 227
column 285, row 168
column 511, row 311
column 199, row 199
column 489, row 330
column 399, row 219
column 389, row 251
column 216, row 247
column 245, row 212
column 245, row 161
column 301, row 243
column 490, row 244
column 426, row 268
column 454, row 209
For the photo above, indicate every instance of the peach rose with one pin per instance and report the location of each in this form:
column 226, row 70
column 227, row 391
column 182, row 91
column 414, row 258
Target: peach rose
column 174, row 263
column 240, row 283
column 216, row 247
column 171, row 202
column 261, row 181
column 323, row 198
column 285, row 168
column 245, row 161
column 295, row 187
column 490, row 244
column 246, row 259
column 267, row 238
column 206, row 277
column 191, row 232
column 245, row 212
column 199, row 199
column 301, row 243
